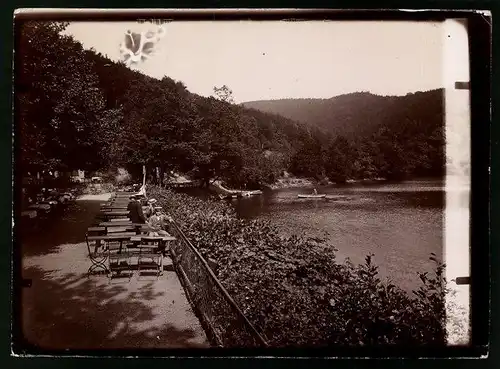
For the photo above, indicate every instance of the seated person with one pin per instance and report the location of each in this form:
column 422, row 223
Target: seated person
column 135, row 212
column 158, row 222
column 150, row 208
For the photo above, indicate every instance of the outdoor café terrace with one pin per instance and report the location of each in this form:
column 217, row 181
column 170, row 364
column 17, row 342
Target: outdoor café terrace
column 90, row 294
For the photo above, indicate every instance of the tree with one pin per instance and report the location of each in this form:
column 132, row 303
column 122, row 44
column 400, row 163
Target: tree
column 78, row 109
column 308, row 161
column 59, row 100
column 36, row 91
column 340, row 158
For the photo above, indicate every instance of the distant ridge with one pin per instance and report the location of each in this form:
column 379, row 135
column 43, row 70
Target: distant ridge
column 357, row 113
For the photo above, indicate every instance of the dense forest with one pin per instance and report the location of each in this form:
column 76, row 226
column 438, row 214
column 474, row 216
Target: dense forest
column 358, row 113
column 76, row 109
column 372, row 136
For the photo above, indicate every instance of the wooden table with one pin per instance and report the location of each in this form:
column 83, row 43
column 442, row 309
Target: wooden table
column 113, row 207
column 128, row 224
column 114, row 214
column 118, row 223
column 116, row 201
column 123, row 208
column 116, row 237
column 112, row 230
column 139, row 238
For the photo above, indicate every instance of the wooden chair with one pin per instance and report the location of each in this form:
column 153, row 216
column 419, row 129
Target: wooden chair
column 119, row 260
column 150, row 257
column 97, row 257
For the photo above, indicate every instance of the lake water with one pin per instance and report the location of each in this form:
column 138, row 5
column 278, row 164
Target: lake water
column 401, row 223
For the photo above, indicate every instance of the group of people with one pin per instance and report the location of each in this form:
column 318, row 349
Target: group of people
column 155, row 218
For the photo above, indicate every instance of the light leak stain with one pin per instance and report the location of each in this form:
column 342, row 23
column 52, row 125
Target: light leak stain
column 140, row 46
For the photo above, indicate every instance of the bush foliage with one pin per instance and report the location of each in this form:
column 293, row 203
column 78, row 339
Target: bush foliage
column 294, row 290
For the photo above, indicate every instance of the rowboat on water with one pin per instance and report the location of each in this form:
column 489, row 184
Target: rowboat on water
column 311, row 196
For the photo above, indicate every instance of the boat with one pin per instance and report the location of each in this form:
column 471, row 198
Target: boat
column 311, row 196
column 238, row 194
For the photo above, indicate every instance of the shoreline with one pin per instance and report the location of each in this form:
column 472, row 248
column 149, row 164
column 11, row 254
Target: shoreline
column 293, row 182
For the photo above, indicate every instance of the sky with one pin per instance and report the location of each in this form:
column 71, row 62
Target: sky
column 277, row 59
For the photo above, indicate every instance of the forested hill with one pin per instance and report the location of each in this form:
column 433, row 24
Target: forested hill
column 358, row 113
column 373, row 136
column 76, row 109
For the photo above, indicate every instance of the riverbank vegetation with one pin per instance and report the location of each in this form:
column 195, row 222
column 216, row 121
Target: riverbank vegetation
column 77, row 109
column 295, row 291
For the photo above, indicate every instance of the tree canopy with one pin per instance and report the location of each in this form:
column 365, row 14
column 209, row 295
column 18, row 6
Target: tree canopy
column 77, row 109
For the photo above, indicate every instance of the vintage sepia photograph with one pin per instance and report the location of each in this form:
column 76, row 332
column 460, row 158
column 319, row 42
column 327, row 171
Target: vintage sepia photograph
column 240, row 183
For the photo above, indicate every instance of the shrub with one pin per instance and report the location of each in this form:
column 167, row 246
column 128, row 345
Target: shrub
column 295, row 292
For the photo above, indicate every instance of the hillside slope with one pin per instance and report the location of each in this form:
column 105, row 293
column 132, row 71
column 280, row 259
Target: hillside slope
column 357, row 113
column 81, row 110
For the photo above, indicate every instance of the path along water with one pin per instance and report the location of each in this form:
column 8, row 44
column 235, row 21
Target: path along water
column 65, row 309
